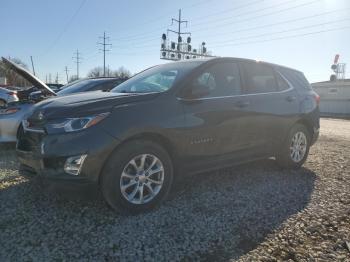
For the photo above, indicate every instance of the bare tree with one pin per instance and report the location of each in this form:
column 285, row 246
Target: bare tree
column 73, row 78
column 96, row 72
column 12, row 77
column 122, row 72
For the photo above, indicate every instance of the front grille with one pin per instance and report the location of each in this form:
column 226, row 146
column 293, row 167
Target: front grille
column 29, row 141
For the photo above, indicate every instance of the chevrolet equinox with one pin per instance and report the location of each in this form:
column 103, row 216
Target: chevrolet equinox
column 187, row 116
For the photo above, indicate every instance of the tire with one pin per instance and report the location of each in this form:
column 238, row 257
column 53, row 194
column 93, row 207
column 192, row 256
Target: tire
column 288, row 157
column 120, row 171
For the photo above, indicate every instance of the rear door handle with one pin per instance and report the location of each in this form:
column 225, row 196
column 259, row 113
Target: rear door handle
column 242, row 104
column 291, row 98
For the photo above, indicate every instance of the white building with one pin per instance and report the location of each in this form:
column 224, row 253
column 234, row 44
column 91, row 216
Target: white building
column 335, row 97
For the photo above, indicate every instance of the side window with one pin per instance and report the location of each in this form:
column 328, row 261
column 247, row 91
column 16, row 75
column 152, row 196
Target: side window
column 281, row 83
column 259, row 78
column 222, row 79
column 97, row 86
column 296, row 78
column 110, row 85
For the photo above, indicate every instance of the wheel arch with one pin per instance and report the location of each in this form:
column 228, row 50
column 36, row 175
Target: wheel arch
column 308, row 126
column 156, row 138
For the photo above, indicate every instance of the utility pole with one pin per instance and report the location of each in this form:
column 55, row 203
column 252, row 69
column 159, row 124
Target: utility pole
column 178, row 32
column 66, row 70
column 50, row 78
column 56, row 80
column 104, row 50
column 31, row 59
column 180, row 49
column 77, row 59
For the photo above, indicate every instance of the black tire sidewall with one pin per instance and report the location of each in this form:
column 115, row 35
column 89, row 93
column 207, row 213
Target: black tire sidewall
column 284, row 157
column 110, row 183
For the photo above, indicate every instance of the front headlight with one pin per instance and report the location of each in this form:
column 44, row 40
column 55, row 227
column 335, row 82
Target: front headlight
column 74, row 124
column 9, row 111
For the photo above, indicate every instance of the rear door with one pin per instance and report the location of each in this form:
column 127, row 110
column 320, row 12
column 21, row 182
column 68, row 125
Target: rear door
column 273, row 105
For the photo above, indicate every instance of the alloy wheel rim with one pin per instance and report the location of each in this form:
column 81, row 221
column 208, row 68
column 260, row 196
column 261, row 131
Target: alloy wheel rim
column 142, row 179
column 298, row 147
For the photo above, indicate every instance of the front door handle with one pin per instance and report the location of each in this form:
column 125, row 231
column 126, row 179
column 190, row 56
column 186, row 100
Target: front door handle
column 291, row 98
column 242, row 104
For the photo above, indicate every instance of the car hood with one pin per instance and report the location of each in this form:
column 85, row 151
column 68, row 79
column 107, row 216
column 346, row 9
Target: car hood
column 27, row 75
column 83, row 104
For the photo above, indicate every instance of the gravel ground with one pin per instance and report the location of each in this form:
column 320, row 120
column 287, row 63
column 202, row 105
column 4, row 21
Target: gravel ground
column 254, row 212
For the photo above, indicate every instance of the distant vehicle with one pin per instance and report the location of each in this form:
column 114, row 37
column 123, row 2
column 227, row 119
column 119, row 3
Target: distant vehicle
column 91, row 84
column 55, row 87
column 189, row 116
column 7, row 96
column 12, row 115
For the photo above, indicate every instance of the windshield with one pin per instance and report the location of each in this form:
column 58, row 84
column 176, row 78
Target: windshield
column 156, row 79
column 79, row 86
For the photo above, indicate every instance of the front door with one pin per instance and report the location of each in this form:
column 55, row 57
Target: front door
column 213, row 121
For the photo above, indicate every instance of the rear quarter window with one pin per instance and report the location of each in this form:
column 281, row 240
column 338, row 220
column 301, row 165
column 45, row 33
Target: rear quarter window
column 296, row 78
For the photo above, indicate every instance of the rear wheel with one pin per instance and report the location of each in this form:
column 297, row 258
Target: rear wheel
column 295, row 149
column 137, row 177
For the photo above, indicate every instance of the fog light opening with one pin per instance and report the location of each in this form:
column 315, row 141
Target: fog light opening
column 74, row 164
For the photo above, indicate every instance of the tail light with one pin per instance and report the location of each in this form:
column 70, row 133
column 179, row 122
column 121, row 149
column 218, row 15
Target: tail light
column 317, row 99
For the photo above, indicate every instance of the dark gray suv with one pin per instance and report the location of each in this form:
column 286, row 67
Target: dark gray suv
column 179, row 117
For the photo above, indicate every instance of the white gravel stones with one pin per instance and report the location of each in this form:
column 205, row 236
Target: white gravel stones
column 255, row 212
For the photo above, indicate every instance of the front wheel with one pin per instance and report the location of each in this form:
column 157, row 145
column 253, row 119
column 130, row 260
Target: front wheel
column 137, row 177
column 295, row 149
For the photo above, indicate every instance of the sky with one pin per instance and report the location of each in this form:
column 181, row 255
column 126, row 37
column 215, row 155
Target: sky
column 302, row 34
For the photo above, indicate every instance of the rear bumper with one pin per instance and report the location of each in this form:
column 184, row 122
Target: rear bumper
column 9, row 123
column 8, row 127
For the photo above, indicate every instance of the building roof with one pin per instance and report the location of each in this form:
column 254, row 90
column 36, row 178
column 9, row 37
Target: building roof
column 344, row 82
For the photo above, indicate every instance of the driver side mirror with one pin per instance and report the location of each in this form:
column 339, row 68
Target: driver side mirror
column 198, row 91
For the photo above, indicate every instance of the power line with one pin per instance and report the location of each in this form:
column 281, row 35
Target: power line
column 282, row 22
column 245, row 13
column 286, row 37
column 147, row 35
column 265, row 40
column 179, row 23
column 77, row 59
column 166, row 14
column 104, row 50
column 283, row 31
column 245, row 29
column 65, row 28
column 228, row 10
column 263, row 15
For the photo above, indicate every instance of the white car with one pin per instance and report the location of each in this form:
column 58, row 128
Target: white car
column 7, row 96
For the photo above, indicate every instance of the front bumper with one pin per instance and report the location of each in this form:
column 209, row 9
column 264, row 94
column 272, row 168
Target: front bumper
column 46, row 155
